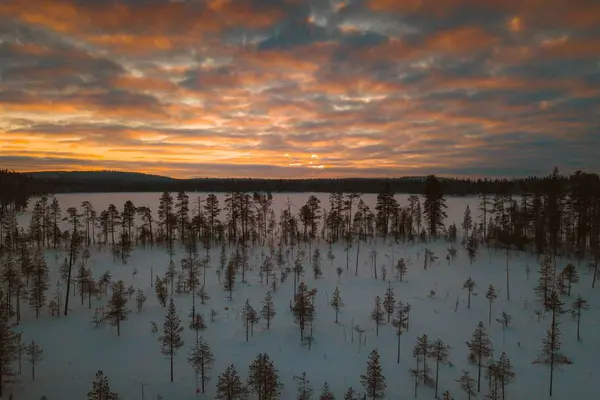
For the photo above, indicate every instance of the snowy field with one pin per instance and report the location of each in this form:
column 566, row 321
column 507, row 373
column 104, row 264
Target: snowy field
column 74, row 349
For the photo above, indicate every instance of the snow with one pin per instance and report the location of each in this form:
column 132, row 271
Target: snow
column 74, row 349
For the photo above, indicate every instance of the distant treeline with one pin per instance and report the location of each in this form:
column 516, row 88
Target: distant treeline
column 15, row 188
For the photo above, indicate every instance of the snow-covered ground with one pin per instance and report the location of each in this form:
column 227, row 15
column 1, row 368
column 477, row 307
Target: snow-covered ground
column 74, row 349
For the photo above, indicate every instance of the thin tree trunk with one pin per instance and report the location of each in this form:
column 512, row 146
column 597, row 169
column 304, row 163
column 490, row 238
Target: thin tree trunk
column 469, row 300
column 479, row 374
column 398, row 356
column 437, row 372
column 202, row 376
column 357, row 252
column 507, row 278
column 68, row 287
column 171, row 364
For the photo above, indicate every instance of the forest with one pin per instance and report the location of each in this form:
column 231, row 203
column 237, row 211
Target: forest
column 49, row 271
column 19, row 186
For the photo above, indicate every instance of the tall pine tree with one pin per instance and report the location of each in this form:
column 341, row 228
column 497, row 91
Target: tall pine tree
column 171, row 340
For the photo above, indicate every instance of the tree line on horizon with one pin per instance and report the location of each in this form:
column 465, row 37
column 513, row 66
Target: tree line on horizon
column 18, row 187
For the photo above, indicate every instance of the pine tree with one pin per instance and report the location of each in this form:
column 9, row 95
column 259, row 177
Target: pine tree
column 250, row 317
column 505, row 373
column 316, row 264
column 267, row 268
column 373, row 380
column 579, row 305
column 407, row 308
column 326, row 394
column 140, row 299
column 166, row 217
column 505, row 319
column 303, row 309
column 389, row 301
column 467, row 222
column 118, row 310
column 467, row 384
column 35, row 354
column 439, row 352
column 263, row 378
column 11, row 277
column 8, row 346
column 182, row 213
column 378, row 314
column 350, row 394
column 545, row 281
column 491, row 296
column 304, row 389
column 229, row 385
column 171, row 340
column 400, row 321
column 401, row 269
column 268, row 310
column 434, row 205
column 336, row 302
column 147, row 223
column 551, row 354
column 571, row 275
column 101, row 389
column 472, row 247
column 470, row 286
column 39, row 283
column 202, row 360
column 229, row 282
column 423, row 349
column 170, row 275
column 161, row 291
column 480, row 347
column 447, row 396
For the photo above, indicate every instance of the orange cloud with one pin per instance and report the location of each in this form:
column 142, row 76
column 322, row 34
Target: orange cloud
column 576, row 48
column 141, row 27
column 462, row 40
column 142, row 83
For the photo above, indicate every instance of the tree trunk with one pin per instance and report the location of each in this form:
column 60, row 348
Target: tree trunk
column 171, row 360
column 578, row 319
column 18, row 305
column 479, row 374
column 507, row 278
column 398, row 355
column 469, row 300
column 68, row 286
column 202, row 376
column 357, row 252
column 437, row 372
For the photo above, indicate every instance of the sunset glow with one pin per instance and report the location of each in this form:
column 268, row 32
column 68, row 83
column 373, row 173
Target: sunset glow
column 284, row 88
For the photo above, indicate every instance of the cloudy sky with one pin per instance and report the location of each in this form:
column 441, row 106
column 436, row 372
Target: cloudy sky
column 295, row 88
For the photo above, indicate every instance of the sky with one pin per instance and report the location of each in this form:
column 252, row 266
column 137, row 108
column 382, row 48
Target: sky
column 295, row 89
